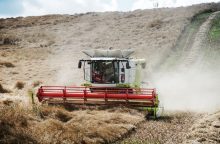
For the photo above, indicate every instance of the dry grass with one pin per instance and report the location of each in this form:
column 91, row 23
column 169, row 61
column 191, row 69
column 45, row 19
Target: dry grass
column 4, row 54
column 7, row 64
column 14, row 124
column 57, row 125
column 7, row 102
column 156, row 24
column 36, row 83
column 84, row 126
column 9, row 39
column 55, row 113
column 19, row 85
column 4, row 90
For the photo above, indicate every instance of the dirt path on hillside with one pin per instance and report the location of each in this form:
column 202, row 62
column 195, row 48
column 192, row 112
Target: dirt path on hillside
column 192, row 46
column 196, row 53
column 187, row 45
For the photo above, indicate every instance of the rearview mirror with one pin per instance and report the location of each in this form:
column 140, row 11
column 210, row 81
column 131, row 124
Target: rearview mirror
column 127, row 65
column 79, row 64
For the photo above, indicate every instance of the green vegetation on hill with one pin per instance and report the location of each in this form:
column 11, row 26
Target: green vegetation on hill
column 200, row 18
column 215, row 29
column 186, row 39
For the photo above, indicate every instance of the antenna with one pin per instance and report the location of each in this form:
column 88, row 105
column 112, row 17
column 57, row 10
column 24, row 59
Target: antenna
column 155, row 3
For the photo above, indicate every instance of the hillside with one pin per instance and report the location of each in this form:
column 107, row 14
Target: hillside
column 43, row 43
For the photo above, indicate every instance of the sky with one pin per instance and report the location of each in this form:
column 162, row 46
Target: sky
column 14, row 8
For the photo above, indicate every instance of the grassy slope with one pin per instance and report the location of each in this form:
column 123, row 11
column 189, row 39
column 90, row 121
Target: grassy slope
column 184, row 42
column 215, row 30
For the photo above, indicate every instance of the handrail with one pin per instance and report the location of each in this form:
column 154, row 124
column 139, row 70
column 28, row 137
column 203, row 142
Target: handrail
column 104, row 90
column 92, row 87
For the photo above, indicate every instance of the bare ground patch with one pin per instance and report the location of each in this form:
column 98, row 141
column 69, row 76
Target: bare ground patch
column 205, row 130
column 171, row 128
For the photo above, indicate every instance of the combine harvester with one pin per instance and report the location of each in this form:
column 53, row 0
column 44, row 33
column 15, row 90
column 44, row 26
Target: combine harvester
column 112, row 79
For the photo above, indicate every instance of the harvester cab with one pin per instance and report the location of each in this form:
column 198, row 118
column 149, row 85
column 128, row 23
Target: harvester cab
column 111, row 68
column 112, row 78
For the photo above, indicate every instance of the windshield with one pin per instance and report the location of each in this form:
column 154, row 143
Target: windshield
column 105, row 72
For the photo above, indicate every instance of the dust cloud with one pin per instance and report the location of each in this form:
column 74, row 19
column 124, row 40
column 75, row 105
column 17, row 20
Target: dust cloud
column 64, row 63
column 192, row 82
column 65, row 75
column 192, row 90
